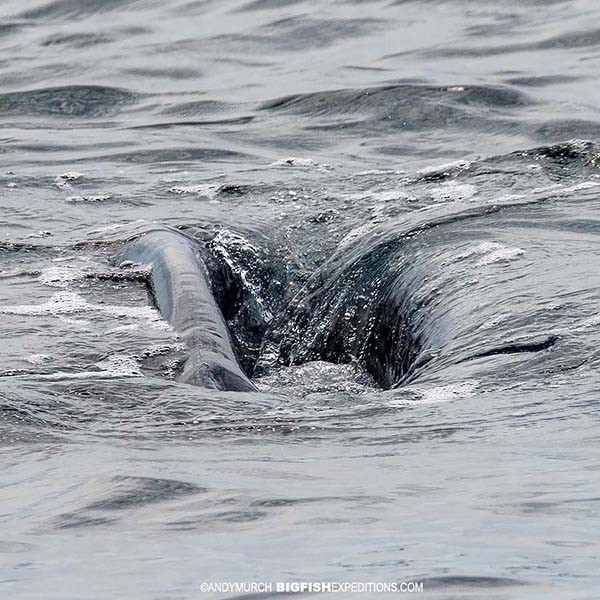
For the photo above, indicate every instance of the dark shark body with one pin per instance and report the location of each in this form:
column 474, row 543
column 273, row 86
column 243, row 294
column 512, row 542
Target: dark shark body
column 182, row 287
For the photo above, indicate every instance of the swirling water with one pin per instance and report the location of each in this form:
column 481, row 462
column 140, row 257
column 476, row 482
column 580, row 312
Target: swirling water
column 408, row 194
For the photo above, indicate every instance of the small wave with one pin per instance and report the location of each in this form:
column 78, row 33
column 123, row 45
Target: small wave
column 268, row 4
column 74, row 9
column 298, row 33
column 193, row 109
column 402, row 96
column 405, row 107
column 68, row 101
column 571, row 40
column 541, row 80
column 198, row 123
column 168, row 73
column 168, row 155
column 301, row 32
column 558, row 130
column 77, row 40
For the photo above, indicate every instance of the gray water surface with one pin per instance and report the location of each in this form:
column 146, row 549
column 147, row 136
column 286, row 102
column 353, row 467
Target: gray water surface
column 432, row 160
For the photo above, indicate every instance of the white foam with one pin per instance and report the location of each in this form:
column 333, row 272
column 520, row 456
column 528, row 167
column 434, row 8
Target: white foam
column 497, row 253
column 557, row 189
column 593, row 321
column 121, row 328
column 38, row 359
column 116, row 226
column 226, row 241
column 70, row 303
column 453, row 391
column 177, row 176
column 95, row 198
column 439, row 394
column 500, row 318
column 62, row 180
column 115, row 366
column 207, row 190
column 459, row 165
column 81, row 323
column 61, row 303
column 317, row 377
column 306, row 163
column 70, row 176
column 506, row 198
column 382, row 196
column 159, row 349
column 590, row 322
column 452, row 191
column 119, row 365
column 379, row 172
column 58, row 275
column 355, row 234
column 491, row 252
column 40, row 234
column 391, row 195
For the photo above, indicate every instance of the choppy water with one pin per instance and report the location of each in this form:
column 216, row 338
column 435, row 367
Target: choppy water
column 408, row 193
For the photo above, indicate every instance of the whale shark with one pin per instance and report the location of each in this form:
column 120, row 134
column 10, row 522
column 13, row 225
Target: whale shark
column 183, row 289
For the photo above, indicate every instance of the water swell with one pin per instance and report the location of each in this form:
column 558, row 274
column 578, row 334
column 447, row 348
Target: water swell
column 69, row 101
column 74, row 9
column 406, row 106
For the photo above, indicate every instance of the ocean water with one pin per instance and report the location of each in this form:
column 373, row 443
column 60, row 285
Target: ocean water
column 407, row 194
